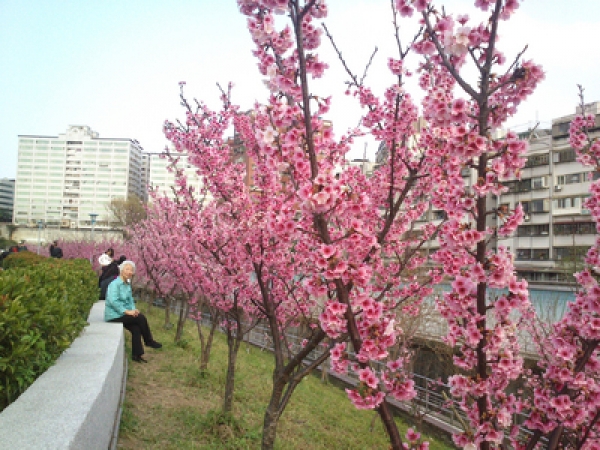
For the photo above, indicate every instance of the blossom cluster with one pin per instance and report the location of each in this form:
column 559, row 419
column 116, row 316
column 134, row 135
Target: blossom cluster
column 291, row 235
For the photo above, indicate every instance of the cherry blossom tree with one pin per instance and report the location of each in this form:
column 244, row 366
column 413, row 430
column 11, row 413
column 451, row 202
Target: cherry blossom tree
column 359, row 256
column 483, row 324
column 241, row 241
column 152, row 240
column 322, row 240
column 217, row 265
column 565, row 407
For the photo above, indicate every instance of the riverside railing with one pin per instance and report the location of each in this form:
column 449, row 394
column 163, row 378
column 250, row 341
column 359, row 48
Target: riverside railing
column 433, row 403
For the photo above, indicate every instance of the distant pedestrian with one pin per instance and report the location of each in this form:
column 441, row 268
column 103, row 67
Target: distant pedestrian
column 109, row 274
column 55, row 250
column 105, row 260
column 106, row 257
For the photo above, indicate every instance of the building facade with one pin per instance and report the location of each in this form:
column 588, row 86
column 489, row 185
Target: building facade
column 557, row 230
column 7, row 199
column 162, row 180
column 62, row 180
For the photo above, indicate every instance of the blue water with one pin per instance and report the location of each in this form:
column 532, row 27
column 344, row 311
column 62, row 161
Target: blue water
column 550, row 305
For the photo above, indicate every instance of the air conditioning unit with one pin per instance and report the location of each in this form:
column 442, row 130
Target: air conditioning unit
column 527, row 218
column 558, row 187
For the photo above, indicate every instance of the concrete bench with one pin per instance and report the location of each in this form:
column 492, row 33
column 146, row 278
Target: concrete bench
column 76, row 404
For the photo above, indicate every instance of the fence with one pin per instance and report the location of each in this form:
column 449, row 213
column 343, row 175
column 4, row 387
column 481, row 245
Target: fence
column 433, row 403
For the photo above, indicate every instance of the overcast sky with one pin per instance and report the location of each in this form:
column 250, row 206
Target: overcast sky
column 115, row 65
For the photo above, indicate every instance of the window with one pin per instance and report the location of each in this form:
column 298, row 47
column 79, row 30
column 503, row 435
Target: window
column 573, row 178
column 533, row 230
column 560, row 128
column 537, row 160
column 564, row 156
column 523, row 254
column 538, row 183
column 535, row 206
column 566, row 203
column 561, row 229
column 539, row 206
column 572, row 253
column 525, row 185
column 438, row 215
column 540, row 254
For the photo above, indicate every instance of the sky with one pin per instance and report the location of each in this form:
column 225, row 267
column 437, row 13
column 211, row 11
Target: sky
column 116, row 65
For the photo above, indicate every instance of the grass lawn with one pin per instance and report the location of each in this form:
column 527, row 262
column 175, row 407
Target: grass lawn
column 169, row 404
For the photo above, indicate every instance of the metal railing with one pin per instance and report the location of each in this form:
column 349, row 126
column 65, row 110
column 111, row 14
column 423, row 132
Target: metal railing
column 433, row 402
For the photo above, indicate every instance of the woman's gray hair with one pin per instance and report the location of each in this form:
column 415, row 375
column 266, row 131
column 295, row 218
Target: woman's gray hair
column 126, row 263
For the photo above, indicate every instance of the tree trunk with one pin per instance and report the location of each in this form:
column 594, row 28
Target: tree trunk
column 325, row 371
column 167, row 313
column 183, row 314
column 233, row 345
column 272, row 415
column 285, row 381
column 205, row 347
column 146, row 297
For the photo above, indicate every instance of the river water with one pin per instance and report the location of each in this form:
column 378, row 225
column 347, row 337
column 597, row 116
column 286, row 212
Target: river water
column 550, row 303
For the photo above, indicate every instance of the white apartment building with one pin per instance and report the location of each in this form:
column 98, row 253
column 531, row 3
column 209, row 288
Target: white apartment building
column 557, row 230
column 62, row 180
column 365, row 166
column 163, row 181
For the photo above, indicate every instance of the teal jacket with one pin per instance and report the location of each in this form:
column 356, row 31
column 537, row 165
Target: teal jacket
column 118, row 299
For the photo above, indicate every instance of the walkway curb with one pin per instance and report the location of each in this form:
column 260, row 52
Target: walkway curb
column 75, row 404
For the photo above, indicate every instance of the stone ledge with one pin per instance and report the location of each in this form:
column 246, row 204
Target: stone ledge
column 76, row 403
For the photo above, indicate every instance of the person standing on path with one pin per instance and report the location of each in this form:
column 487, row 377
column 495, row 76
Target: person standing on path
column 55, row 250
column 120, row 307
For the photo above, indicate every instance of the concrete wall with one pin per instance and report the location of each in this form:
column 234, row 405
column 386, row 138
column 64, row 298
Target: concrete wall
column 47, row 235
column 76, row 404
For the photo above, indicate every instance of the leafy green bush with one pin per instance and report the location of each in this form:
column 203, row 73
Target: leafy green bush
column 44, row 304
column 22, row 259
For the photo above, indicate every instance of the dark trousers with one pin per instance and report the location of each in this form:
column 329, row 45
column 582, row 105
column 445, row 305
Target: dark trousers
column 139, row 328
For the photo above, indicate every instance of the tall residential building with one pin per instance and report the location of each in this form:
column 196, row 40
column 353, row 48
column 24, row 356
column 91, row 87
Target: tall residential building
column 7, row 199
column 161, row 179
column 557, row 229
column 144, row 174
column 62, row 180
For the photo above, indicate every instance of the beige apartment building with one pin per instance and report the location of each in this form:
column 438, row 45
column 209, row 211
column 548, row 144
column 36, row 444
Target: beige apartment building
column 63, row 181
column 549, row 246
column 557, row 229
column 162, row 180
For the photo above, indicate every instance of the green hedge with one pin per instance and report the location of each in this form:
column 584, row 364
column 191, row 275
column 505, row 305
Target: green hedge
column 44, row 305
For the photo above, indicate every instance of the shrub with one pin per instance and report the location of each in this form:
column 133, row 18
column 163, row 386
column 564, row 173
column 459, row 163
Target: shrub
column 44, row 304
column 22, row 259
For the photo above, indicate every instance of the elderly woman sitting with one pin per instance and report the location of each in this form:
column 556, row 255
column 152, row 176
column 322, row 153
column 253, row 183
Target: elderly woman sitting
column 120, row 307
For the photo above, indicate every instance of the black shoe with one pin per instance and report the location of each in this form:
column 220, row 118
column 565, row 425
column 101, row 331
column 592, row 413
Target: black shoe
column 154, row 344
column 139, row 359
